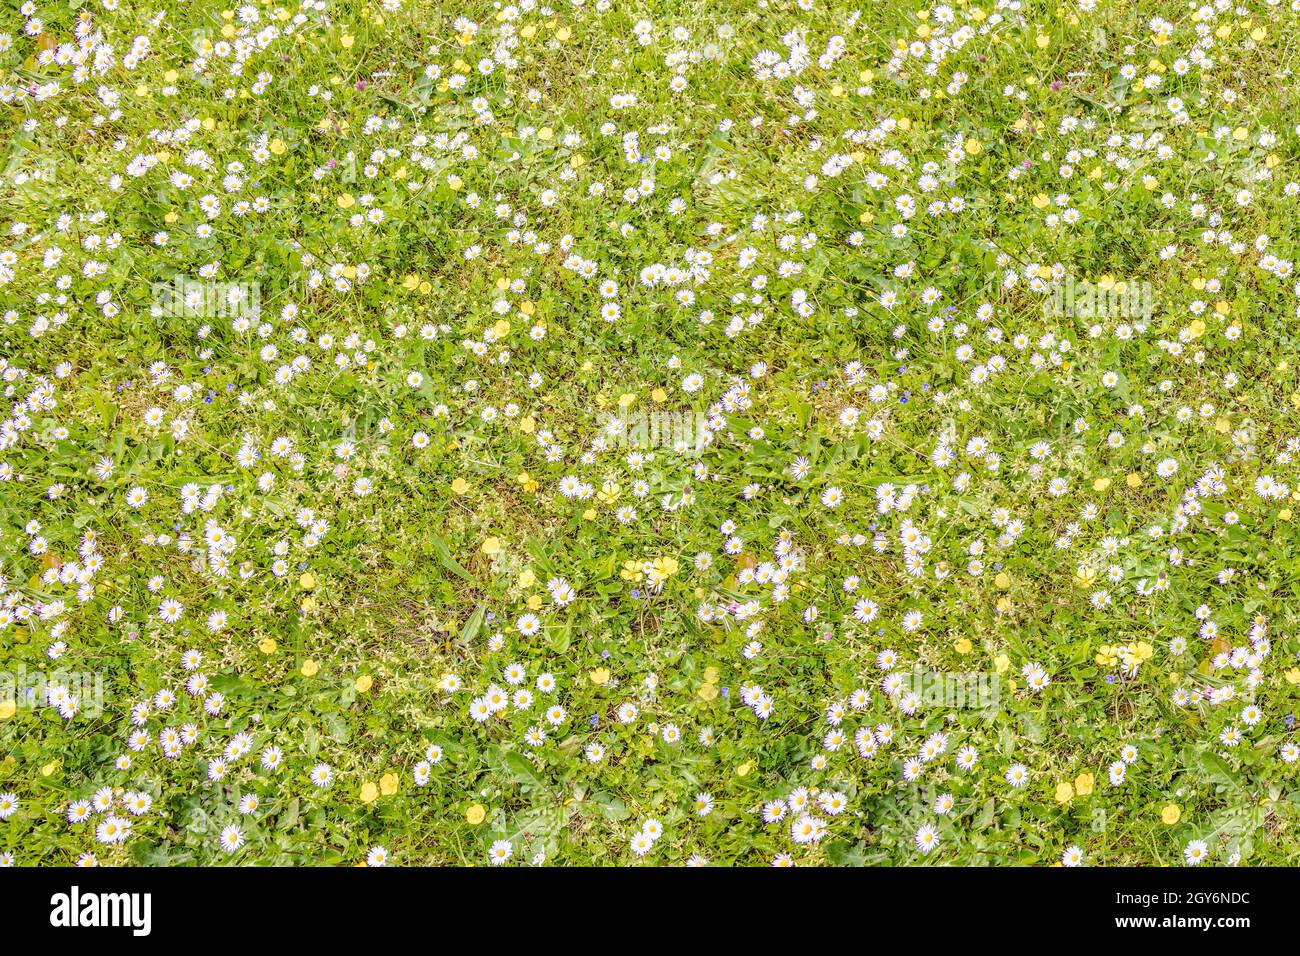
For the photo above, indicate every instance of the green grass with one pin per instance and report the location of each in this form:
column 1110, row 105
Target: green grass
column 829, row 333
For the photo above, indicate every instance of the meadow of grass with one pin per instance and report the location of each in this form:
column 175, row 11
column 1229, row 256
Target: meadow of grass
column 609, row 432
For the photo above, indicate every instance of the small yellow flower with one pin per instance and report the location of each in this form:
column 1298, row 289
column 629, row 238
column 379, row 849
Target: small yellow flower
column 1171, row 814
column 475, row 814
column 364, row 683
column 369, row 792
column 310, row 668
